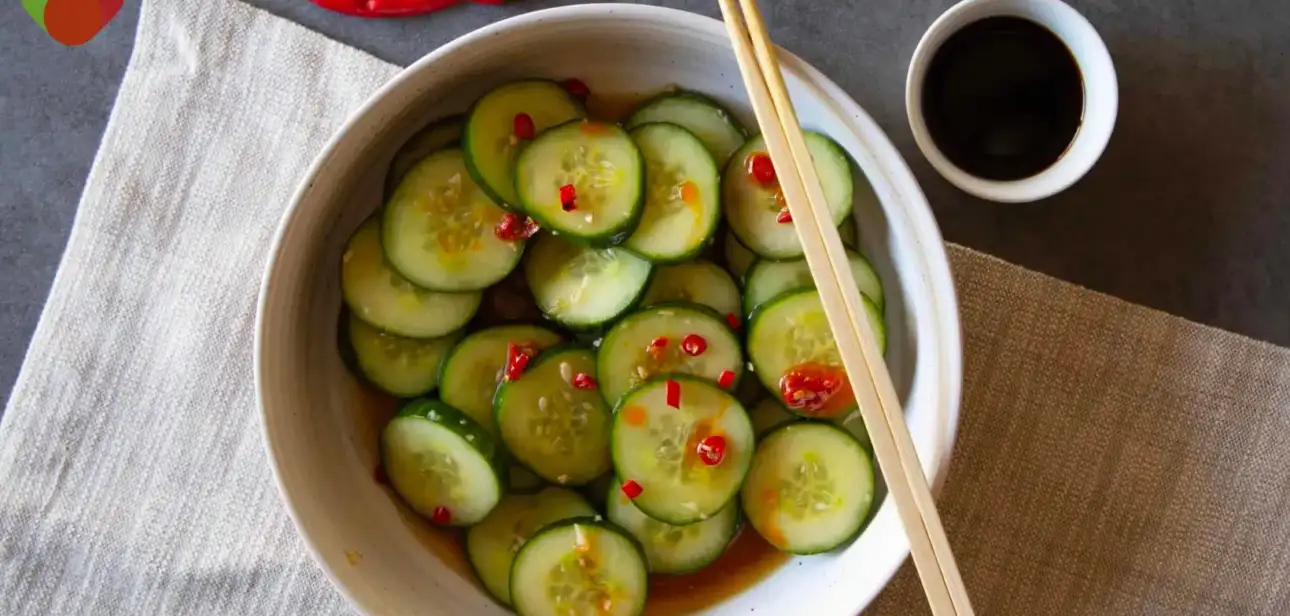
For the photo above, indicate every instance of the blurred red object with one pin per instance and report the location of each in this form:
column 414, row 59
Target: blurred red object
column 392, row 8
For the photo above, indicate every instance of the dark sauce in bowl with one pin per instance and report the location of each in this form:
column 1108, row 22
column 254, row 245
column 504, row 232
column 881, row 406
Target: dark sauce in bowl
column 1003, row 98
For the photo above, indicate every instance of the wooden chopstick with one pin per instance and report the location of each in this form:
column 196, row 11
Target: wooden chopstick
column 826, row 258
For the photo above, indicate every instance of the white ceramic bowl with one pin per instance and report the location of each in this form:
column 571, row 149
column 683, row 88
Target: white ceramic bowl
column 322, row 437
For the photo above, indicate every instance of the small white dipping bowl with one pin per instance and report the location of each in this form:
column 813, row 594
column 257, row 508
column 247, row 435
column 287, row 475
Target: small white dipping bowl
column 320, row 427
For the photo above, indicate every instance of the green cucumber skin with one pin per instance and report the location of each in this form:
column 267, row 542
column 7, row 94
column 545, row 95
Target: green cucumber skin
column 773, row 388
column 869, row 513
column 595, row 330
column 730, row 538
column 545, row 355
column 610, row 238
column 597, row 522
column 715, row 224
column 434, row 410
column 604, row 348
column 468, row 147
column 632, row 122
column 411, row 146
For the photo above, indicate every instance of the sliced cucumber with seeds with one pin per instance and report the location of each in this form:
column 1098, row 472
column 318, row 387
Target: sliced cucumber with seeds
column 437, row 136
column 701, row 282
column 675, row 549
column 474, row 368
column 657, row 446
column 792, row 333
column 493, row 543
column 378, row 295
column 605, row 170
column 810, row 488
column 404, row 367
column 554, row 428
column 847, row 231
column 580, row 566
column 768, row 415
column 752, row 209
column 438, row 229
column 582, row 287
column 720, row 132
column 682, row 195
column 738, row 257
column 629, row 355
column 490, row 141
column 444, row 465
column 767, row 279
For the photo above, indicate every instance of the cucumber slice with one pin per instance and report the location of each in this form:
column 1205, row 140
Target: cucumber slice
column 524, row 481
column 791, row 332
column 674, row 549
column 444, row 465
column 701, row 282
column 655, row 445
column 493, row 543
column 438, row 229
column 720, row 133
column 473, row 369
column 490, row 142
column 752, row 209
column 380, row 296
column 767, row 279
column 434, row 137
column 810, row 488
column 404, row 367
column 580, row 566
column 738, row 257
column 582, row 287
column 557, row 430
column 768, row 415
column 627, row 355
column 682, row 195
column 607, row 174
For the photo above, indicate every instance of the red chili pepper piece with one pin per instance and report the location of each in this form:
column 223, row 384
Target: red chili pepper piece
column 726, row 379
column 656, row 347
column 632, row 489
column 784, row 216
column 442, row 516
column 582, row 380
column 673, row 394
column 391, row 8
column 577, row 88
column 762, row 169
column 733, row 321
column 524, row 128
column 517, row 359
column 712, row 450
column 513, row 227
column 568, row 198
column 816, row 389
column 694, row 345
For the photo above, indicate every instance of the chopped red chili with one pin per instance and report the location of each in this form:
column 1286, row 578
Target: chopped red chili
column 732, row 319
column 568, row 198
column 712, row 450
column 656, row 347
column 784, row 216
column 442, row 516
column 582, row 380
column 513, row 227
column 632, row 489
column 816, row 389
column 694, row 345
column 577, row 88
column 726, row 379
column 673, row 390
column 524, row 128
column 517, row 359
column 762, row 169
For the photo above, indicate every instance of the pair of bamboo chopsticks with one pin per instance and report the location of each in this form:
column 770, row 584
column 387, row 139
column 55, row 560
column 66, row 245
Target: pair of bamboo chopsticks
column 866, row 369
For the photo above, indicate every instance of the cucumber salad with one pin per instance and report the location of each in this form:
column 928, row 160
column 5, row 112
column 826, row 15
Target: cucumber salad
column 612, row 355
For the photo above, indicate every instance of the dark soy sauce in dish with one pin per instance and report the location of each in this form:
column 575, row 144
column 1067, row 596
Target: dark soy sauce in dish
column 1003, row 98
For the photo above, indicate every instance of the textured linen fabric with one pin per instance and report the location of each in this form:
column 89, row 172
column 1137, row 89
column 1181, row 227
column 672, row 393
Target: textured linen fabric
column 1111, row 459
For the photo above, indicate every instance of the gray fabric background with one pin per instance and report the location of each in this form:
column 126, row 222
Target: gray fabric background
column 1187, row 211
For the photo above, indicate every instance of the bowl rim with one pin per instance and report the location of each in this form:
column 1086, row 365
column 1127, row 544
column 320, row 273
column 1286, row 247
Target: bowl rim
column 903, row 189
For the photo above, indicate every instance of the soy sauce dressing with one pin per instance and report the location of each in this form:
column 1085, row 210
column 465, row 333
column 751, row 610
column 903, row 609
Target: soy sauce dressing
column 1003, row 98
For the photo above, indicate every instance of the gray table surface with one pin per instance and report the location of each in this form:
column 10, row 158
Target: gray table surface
column 1186, row 212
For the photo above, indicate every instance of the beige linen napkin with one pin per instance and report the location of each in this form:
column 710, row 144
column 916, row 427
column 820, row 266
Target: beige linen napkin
column 1112, row 459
